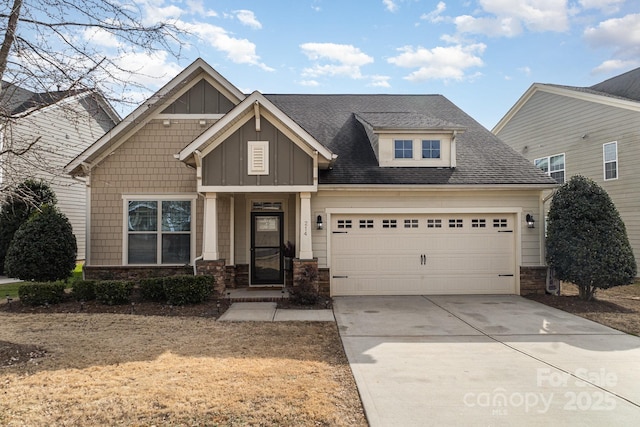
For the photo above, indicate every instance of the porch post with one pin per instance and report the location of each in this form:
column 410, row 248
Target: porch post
column 306, row 252
column 210, row 228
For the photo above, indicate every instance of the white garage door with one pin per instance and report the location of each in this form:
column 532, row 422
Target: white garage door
column 423, row 254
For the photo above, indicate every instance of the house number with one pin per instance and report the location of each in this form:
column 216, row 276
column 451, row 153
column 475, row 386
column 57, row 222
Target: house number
column 306, row 228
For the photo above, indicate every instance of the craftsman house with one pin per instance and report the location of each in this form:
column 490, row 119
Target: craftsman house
column 588, row 131
column 384, row 194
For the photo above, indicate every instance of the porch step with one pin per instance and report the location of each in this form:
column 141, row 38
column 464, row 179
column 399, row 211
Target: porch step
column 256, row 295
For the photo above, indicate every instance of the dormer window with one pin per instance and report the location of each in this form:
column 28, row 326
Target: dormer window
column 403, row 148
column 430, row 148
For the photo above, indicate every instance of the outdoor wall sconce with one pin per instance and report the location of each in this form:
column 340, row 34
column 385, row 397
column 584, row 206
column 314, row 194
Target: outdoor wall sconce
column 319, row 224
column 530, row 221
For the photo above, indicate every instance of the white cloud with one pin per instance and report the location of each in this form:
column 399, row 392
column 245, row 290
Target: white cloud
column 621, row 33
column 443, row 63
column 309, row 83
column 380, row 81
column 248, row 18
column 240, row 51
column 508, row 17
column 390, row 5
column 100, row 37
column 345, row 60
column 435, row 15
column 614, row 65
column 525, row 70
column 608, row 6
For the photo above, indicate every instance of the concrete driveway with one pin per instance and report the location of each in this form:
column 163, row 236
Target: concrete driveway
column 486, row 360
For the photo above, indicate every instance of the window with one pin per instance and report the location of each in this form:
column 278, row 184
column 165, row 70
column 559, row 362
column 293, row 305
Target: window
column 410, row 223
column 389, row 223
column 403, row 149
column 478, row 223
column 455, row 223
column 500, row 223
column 159, row 231
column 552, row 166
column 434, row 223
column 344, row 223
column 610, row 159
column 430, row 149
column 366, row 223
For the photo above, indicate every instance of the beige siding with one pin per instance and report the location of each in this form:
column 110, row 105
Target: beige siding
column 526, row 201
column 144, row 164
column 64, row 131
column 550, row 124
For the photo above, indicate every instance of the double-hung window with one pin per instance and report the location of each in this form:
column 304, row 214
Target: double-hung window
column 430, row 149
column 159, row 231
column 403, row 149
column 552, row 166
column 610, row 160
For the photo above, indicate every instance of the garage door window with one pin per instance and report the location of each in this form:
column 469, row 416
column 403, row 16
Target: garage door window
column 500, row 223
column 455, row 223
column 389, row 223
column 344, row 223
column 366, row 223
column 434, row 223
column 478, row 223
column 410, row 223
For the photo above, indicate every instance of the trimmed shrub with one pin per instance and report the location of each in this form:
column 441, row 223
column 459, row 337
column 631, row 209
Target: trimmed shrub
column 41, row 293
column 43, row 249
column 152, row 289
column 305, row 291
column 84, row 290
column 27, row 198
column 181, row 290
column 587, row 241
column 113, row 292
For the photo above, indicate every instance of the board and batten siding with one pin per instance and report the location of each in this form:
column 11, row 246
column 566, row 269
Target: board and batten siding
column 549, row 124
column 144, row 164
column 432, row 201
column 64, row 131
column 227, row 163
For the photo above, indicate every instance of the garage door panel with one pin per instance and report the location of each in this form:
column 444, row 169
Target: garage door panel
column 475, row 255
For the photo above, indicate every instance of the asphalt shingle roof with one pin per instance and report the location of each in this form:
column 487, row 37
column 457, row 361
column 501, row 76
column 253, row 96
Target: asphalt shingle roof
column 16, row 100
column 336, row 121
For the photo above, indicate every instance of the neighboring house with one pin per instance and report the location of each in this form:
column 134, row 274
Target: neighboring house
column 590, row 131
column 384, row 194
column 60, row 125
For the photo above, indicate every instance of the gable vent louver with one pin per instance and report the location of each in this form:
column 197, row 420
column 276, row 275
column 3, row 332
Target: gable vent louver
column 258, row 161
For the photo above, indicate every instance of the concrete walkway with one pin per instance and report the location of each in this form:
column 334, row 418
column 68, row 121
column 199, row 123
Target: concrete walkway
column 486, row 360
column 268, row 312
column 4, row 280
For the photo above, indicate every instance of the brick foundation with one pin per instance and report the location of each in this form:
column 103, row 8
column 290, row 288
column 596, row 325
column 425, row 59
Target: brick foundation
column 217, row 269
column 533, row 280
column 324, row 281
column 299, row 265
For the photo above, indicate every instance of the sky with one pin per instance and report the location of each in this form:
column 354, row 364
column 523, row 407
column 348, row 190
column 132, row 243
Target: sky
column 480, row 54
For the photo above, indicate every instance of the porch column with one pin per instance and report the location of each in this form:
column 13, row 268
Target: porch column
column 306, row 251
column 210, row 228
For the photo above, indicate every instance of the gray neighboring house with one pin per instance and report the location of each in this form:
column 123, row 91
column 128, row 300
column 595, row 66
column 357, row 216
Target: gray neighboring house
column 591, row 131
column 64, row 123
column 382, row 194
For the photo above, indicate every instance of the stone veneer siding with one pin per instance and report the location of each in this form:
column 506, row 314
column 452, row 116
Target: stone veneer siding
column 533, row 280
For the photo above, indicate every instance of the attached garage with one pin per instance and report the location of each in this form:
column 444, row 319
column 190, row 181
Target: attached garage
column 423, row 254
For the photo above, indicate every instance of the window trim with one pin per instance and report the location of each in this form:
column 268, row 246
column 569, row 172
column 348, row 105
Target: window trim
column 605, row 162
column 157, row 198
column 549, row 171
column 431, row 149
column 404, row 148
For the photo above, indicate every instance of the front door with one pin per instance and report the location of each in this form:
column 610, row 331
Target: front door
column 266, row 248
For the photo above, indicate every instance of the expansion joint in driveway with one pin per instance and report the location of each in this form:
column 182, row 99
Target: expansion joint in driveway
column 493, row 338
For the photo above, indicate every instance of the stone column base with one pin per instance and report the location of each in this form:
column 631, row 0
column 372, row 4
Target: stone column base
column 215, row 268
column 533, row 280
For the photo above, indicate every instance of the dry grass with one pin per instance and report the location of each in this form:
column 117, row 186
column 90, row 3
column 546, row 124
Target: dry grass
column 113, row 369
column 617, row 307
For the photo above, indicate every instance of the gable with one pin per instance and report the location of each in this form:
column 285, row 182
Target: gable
column 201, row 98
column 230, row 163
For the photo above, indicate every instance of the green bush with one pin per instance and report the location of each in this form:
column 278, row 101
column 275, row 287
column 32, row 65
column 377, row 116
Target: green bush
column 152, row 289
column 181, row 290
column 16, row 209
column 587, row 241
column 113, row 292
column 305, row 291
column 43, row 249
column 41, row 293
column 84, row 290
